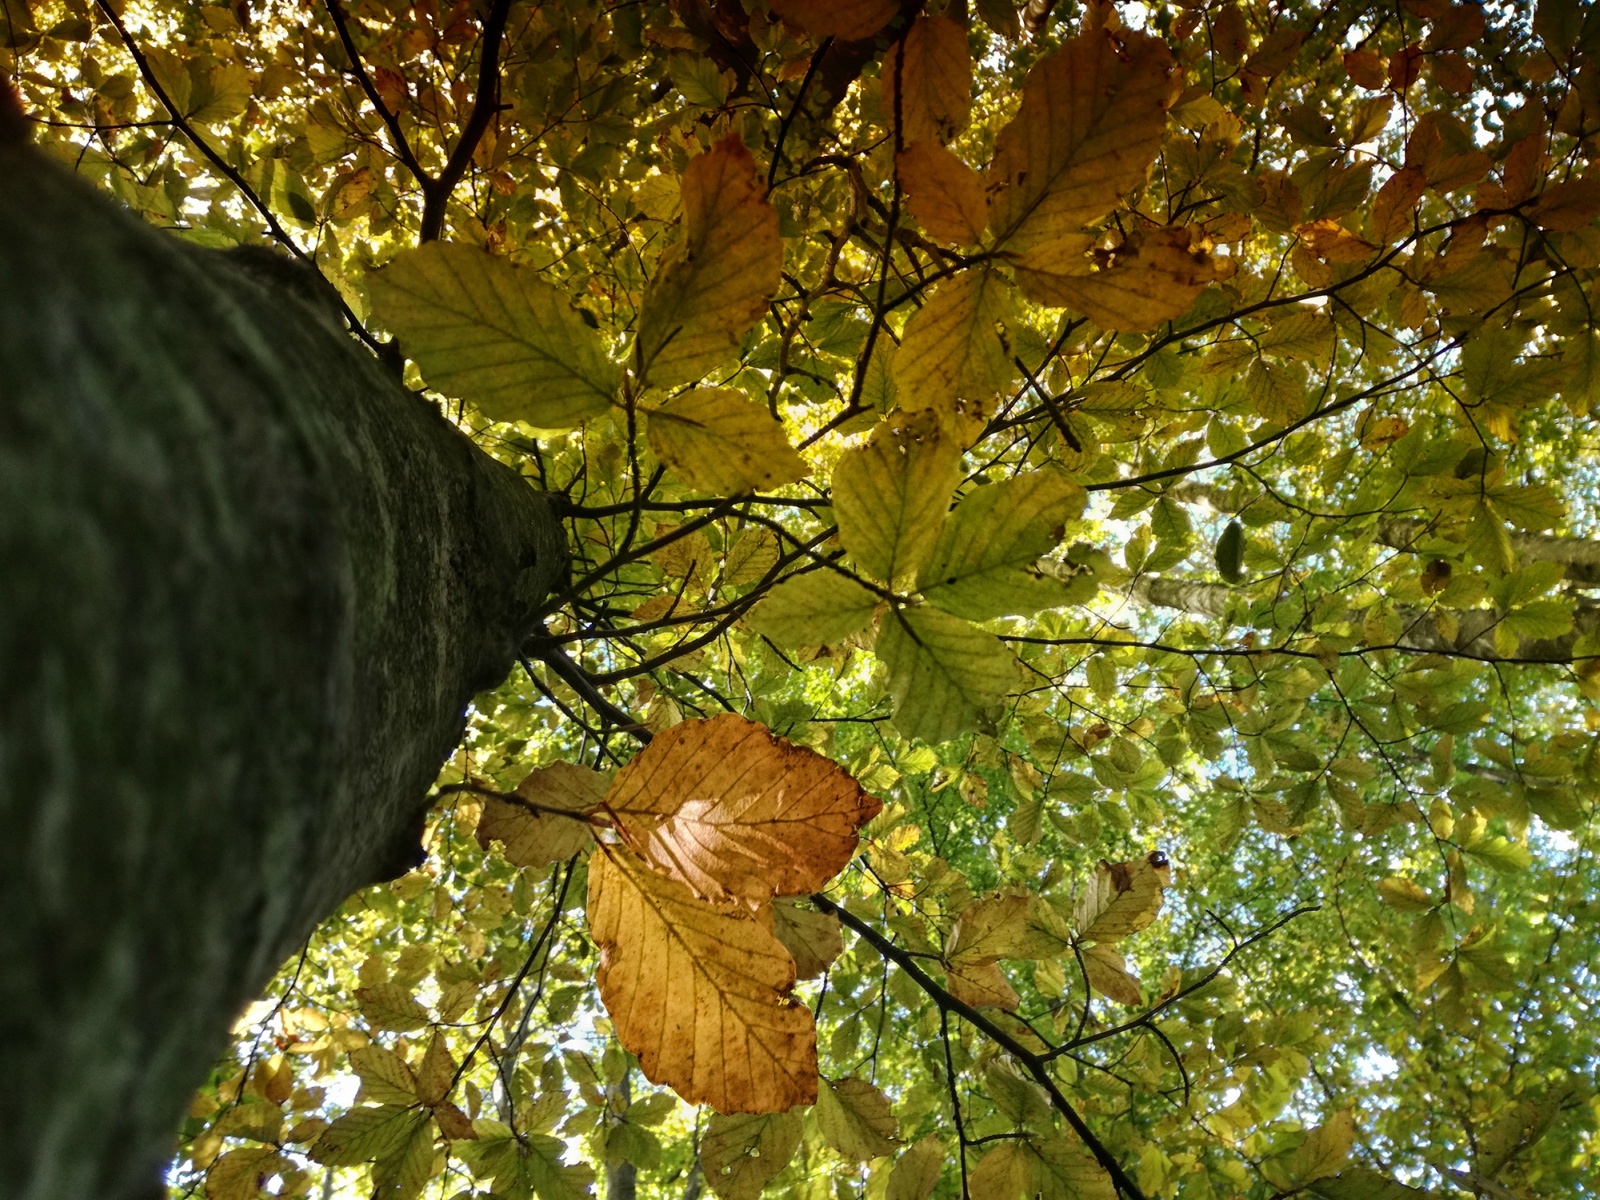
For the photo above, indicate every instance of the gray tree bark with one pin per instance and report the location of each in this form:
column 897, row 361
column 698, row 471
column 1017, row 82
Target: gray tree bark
column 248, row 585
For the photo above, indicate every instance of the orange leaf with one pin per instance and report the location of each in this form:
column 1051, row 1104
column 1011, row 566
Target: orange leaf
column 847, row 20
column 1332, row 242
column 733, row 812
column 1396, row 202
column 1092, row 118
column 927, row 82
column 699, row 992
column 715, row 284
column 534, row 839
column 944, row 194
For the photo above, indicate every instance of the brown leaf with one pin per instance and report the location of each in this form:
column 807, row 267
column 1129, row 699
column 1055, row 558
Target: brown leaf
column 534, row 839
column 1151, row 277
column 1568, row 206
column 714, row 284
column 1091, row 121
column 436, row 1072
column 1396, row 203
column 1121, row 898
column 944, row 194
column 1332, row 242
column 927, row 82
column 812, row 938
column 733, row 812
column 847, row 20
column 981, row 985
column 699, row 992
column 1108, row 974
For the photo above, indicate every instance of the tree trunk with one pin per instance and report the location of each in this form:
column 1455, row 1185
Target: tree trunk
column 250, row 584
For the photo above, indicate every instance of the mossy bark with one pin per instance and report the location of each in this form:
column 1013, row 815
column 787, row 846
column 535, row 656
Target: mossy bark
column 248, row 585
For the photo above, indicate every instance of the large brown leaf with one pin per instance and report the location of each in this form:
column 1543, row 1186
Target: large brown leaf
column 699, row 992
column 735, row 813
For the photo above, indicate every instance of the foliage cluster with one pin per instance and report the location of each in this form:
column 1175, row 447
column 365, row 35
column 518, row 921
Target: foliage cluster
column 1146, row 446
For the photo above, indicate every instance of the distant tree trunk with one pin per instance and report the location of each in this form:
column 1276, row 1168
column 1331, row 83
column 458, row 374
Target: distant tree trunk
column 248, row 585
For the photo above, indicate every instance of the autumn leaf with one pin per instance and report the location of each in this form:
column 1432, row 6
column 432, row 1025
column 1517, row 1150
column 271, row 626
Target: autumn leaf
column 856, row 1120
column 1090, row 124
column 534, row 839
column 1109, row 975
column 720, row 441
column 385, row 1077
column 714, row 284
column 367, row 1134
column 734, row 813
column 942, row 192
column 815, row 609
column 982, row 566
column 916, row 1172
column 495, row 335
column 742, row 1154
column 927, row 82
column 891, row 495
column 847, row 20
column 1394, row 207
column 1152, row 276
column 1326, row 1148
column 957, row 346
column 238, row 1174
column 1121, row 898
column 699, row 992
column 391, row 1006
column 813, row 939
column 944, row 673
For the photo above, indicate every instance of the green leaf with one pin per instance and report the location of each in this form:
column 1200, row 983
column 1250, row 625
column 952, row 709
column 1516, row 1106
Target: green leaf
column 916, row 1171
column 891, row 495
column 956, row 346
column 944, row 673
column 390, row 1006
column 742, row 1154
column 720, row 441
column 1230, row 553
column 495, row 335
column 1499, row 853
column 365, row 1134
column 982, row 566
column 855, row 1119
column 1362, row 1183
column 818, row 608
column 1325, row 1149
column 1404, row 894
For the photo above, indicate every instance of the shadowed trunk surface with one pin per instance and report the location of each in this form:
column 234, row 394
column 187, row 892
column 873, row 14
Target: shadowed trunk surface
column 248, row 585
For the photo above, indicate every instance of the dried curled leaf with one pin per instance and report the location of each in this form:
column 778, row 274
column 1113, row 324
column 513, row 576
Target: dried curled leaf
column 699, row 992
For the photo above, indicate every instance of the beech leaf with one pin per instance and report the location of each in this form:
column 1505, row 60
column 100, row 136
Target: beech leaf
column 891, row 495
column 944, row 673
column 1150, row 277
column 714, row 284
column 916, row 1171
column 494, row 335
column 699, row 992
column 847, row 20
column 813, row 939
column 818, row 608
column 944, row 194
column 856, row 1120
column 1121, row 898
column 718, row 440
column 535, row 839
column 957, row 346
column 927, row 81
column 742, row 1154
column 733, row 812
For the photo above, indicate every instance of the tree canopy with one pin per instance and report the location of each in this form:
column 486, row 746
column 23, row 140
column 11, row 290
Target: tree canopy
column 1079, row 673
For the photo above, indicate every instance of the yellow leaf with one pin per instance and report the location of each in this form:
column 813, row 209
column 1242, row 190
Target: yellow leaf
column 1152, row 276
column 535, row 839
column 1002, row 1174
column 957, row 346
column 1108, row 974
column 856, row 1120
column 742, row 1154
column 1396, row 204
column 735, row 813
column 916, row 1171
column 385, row 1078
column 720, row 441
column 944, row 194
column 891, row 495
column 390, row 1006
column 239, row 1174
column 944, row 673
column 495, row 335
column 1330, row 241
column 927, row 82
column 982, row 985
column 818, row 608
column 1091, row 121
column 1121, row 898
column 436, row 1072
column 714, row 284
column 699, row 992
column 987, row 929
column 1326, row 1148
column 813, row 939
column 847, row 20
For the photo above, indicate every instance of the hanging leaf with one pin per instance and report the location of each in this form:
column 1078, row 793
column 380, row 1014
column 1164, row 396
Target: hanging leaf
column 494, row 335
column 700, row 993
column 957, row 346
column 1109, row 975
column 535, row 839
column 732, row 812
column 813, row 939
column 1230, row 554
column 367, row 1134
column 891, row 495
column 916, row 1172
column 1090, row 124
column 856, row 1120
column 944, row 673
column 720, row 441
column 942, row 192
column 818, row 608
column 927, row 82
column 1152, row 276
column 714, row 284
column 982, row 566
column 1121, row 898
column 742, row 1154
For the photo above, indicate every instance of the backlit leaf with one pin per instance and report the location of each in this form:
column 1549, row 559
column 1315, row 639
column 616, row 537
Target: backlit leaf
column 495, row 335
column 813, row 939
column 700, row 993
column 927, row 82
column 1326, row 1148
column 1152, row 276
column 742, row 1154
column 1109, row 975
column 534, row 839
column 391, row 1006
column 365, row 1134
column 942, row 192
column 847, row 20
column 957, row 346
column 916, row 1171
column 1121, row 898
column 815, row 609
column 856, row 1120
column 720, row 441
column 891, row 495
column 944, row 673
column 733, row 812
column 715, row 283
